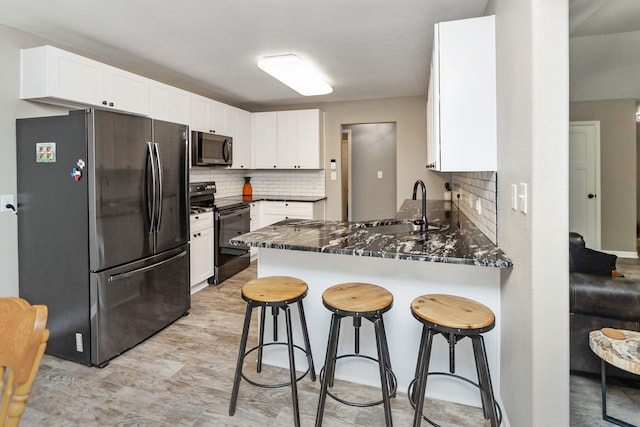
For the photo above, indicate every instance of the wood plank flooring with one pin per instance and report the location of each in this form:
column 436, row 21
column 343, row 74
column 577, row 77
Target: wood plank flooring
column 182, row 376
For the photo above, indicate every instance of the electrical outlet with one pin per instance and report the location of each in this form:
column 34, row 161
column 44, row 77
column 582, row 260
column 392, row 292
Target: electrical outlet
column 6, row 199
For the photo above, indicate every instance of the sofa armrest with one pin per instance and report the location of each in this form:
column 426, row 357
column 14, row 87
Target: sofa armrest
column 615, row 298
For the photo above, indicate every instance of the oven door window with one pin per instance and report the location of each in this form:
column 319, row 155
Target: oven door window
column 231, row 224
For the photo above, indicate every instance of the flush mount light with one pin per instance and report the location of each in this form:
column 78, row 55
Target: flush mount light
column 295, row 73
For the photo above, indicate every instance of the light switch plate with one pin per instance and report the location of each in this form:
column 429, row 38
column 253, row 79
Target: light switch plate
column 379, row 174
column 333, row 175
column 524, row 208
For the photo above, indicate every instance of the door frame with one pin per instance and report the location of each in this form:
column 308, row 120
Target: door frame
column 598, row 211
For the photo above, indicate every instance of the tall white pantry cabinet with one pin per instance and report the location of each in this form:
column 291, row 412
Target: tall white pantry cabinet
column 461, row 104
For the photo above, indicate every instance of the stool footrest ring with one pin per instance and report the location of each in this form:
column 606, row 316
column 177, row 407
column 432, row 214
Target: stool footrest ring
column 263, row 385
column 467, row 380
column 393, row 384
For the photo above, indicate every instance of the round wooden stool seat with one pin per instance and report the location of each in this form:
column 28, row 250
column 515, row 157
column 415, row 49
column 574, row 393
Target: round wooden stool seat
column 453, row 312
column 274, row 289
column 353, row 299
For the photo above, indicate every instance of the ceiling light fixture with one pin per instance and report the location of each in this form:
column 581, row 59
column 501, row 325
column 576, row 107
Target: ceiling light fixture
column 297, row 74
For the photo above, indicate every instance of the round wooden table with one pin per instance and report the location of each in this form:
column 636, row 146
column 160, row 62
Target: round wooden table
column 621, row 349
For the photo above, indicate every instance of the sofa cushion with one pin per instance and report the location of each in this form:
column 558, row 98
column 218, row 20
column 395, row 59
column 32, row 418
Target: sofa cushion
column 615, row 298
column 590, row 261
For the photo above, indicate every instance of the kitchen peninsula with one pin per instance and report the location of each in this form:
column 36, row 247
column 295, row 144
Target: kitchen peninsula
column 454, row 258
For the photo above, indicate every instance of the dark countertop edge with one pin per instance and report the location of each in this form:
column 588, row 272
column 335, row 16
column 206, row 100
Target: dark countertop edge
column 380, row 254
column 276, row 198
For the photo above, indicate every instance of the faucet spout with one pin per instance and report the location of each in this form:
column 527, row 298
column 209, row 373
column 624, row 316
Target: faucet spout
column 423, row 220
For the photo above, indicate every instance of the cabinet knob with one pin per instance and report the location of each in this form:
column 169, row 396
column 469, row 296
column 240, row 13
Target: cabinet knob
column 591, row 196
column 104, row 102
column 274, row 166
column 212, row 131
column 111, row 104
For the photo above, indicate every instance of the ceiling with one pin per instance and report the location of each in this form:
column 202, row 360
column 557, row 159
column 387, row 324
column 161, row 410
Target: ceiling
column 367, row 49
column 599, row 17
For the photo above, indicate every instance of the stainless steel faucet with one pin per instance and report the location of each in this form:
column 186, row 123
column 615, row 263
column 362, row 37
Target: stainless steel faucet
column 423, row 221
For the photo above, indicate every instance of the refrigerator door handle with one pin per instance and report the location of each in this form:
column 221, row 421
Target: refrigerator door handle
column 128, row 274
column 151, row 209
column 160, row 187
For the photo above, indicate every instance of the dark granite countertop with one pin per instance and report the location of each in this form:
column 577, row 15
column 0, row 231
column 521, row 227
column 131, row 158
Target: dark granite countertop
column 454, row 239
column 223, row 202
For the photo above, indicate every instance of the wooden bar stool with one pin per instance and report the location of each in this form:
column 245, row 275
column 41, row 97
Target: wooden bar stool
column 454, row 318
column 277, row 292
column 357, row 300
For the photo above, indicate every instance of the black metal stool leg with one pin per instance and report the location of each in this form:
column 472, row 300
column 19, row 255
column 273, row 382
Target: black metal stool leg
column 292, row 367
column 423, row 338
column 329, row 365
column 385, row 349
column 307, row 343
column 486, row 387
column 261, row 339
column 243, row 346
column 274, row 312
column 332, row 376
column 422, row 370
column 382, row 364
column 483, row 395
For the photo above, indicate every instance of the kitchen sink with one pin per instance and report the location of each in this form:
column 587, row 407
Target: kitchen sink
column 404, row 227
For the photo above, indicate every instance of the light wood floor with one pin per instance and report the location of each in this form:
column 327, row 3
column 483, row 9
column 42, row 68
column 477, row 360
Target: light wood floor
column 182, row 376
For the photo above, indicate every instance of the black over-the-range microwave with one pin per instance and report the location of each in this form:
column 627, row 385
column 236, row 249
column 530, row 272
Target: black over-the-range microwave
column 210, row 149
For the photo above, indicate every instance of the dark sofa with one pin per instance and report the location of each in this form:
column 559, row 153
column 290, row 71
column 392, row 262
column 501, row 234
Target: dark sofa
column 598, row 300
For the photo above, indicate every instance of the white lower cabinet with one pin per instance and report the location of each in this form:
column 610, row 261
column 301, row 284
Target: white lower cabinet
column 272, row 212
column 201, row 239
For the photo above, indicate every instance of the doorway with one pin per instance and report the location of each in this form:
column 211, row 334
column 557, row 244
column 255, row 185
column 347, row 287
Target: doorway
column 368, row 172
column 584, row 181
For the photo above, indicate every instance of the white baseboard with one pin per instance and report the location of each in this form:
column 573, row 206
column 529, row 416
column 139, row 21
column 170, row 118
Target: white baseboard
column 622, row 254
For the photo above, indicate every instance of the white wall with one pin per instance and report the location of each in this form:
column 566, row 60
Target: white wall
column 533, row 98
column 11, row 107
column 618, row 159
column 605, row 66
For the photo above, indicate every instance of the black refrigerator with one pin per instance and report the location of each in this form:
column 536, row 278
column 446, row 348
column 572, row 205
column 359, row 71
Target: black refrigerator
column 103, row 228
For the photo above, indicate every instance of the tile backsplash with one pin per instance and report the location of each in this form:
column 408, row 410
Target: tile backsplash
column 229, row 182
column 478, row 188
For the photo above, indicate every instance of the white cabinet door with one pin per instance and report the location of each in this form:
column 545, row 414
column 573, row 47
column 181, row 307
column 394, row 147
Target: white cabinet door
column 66, row 76
column 199, row 113
column 287, row 136
column 288, row 139
column 52, row 75
column 126, row 91
column 201, row 255
column 264, row 134
column 217, row 118
column 168, row 103
column 256, row 209
column 310, row 139
column 464, row 103
column 242, row 144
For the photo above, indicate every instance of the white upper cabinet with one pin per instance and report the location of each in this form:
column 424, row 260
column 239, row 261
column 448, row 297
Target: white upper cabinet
column 288, row 139
column 265, row 143
column 461, row 104
column 168, row 103
column 242, row 145
column 52, row 75
column 208, row 115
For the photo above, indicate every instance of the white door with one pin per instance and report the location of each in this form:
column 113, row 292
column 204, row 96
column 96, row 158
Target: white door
column 584, row 181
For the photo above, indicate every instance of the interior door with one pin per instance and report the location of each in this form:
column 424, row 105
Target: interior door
column 120, row 216
column 170, row 145
column 584, row 181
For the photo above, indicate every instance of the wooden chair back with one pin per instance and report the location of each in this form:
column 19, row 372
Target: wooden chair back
column 23, row 338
